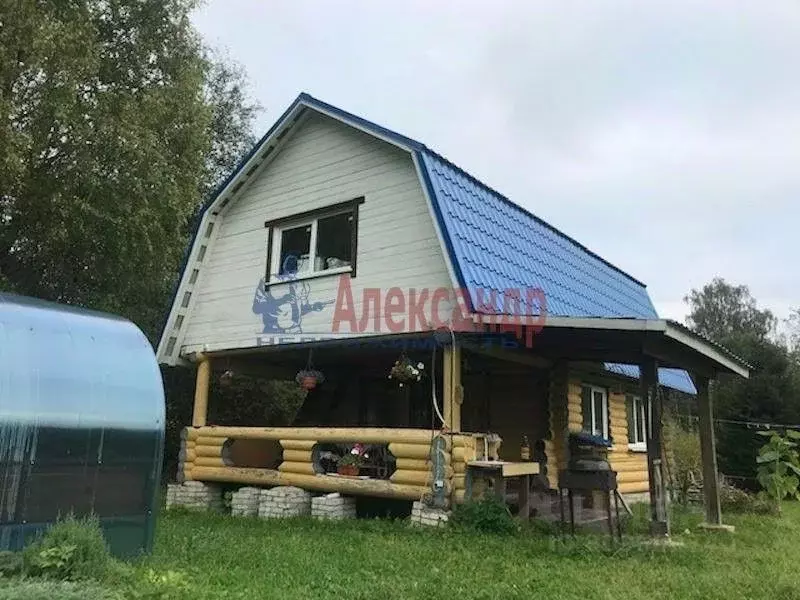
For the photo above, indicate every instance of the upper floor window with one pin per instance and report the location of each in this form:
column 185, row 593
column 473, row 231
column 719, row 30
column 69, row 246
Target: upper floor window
column 594, row 407
column 638, row 420
column 314, row 243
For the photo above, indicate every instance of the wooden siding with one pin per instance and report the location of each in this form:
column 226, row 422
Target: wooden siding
column 321, row 164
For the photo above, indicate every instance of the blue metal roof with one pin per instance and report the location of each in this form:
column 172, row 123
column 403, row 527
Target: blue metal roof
column 677, row 379
column 498, row 245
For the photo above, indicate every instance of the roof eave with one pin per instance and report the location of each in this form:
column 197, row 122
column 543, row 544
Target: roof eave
column 722, row 359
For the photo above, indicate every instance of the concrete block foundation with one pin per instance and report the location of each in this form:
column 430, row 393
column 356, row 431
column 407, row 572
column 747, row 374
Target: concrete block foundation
column 333, row 506
column 421, row 514
column 195, row 495
column 244, row 502
column 284, row 501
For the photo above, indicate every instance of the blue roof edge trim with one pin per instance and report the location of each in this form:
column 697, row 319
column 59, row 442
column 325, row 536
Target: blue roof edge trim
column 437, row 210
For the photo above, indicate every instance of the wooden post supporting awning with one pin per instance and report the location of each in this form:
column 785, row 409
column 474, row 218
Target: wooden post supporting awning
column 200, row 410
column 708, row 454
column 659, row 518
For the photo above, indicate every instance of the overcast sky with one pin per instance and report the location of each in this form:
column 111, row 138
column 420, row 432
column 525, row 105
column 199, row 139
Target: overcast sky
column 666, row 139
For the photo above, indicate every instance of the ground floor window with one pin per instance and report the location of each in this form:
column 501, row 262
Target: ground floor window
column 594, row 406
column 637, row 423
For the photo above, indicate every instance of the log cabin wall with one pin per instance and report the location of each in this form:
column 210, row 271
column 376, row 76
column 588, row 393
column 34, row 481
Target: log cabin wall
column 630, row 465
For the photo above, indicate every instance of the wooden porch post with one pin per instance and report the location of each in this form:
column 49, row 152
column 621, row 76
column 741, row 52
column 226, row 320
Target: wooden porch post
column 200, row 412
column 452, row 391
column 659, row 519
column 708, row 452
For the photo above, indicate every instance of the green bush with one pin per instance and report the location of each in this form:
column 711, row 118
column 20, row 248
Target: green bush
column 488, row 515
column 687, row 467
column 736, row 500
column 72, row 549
column 779, row 466
column 154, row 585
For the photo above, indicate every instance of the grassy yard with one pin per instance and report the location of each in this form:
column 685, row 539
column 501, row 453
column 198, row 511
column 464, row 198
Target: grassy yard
column 224, row 557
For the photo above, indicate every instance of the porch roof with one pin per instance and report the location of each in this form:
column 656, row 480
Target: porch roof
column 630, row 341
column 676, row 379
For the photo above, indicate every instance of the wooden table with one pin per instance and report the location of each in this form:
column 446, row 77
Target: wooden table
column 498, row 471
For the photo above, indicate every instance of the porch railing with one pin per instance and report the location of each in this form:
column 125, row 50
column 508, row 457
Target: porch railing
column 203, row 458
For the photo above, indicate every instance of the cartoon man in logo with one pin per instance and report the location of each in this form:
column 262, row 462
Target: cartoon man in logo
column 284, row 313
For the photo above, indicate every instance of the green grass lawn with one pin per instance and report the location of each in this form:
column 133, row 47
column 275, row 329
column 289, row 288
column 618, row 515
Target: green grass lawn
column 247, row 558
column 225, row 557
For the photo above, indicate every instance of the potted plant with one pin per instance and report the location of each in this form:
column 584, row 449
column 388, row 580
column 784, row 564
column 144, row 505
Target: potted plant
column 309, row 378
column 350, row 463
column 405, row 371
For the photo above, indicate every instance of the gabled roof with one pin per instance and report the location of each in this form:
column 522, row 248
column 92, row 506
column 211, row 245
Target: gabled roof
column 495, row 244
column 492, row 243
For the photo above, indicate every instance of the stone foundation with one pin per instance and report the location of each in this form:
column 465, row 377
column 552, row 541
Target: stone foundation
column 284, row 501
column 333, row 506
column 195, row 494
column 421, row 514
column 244, row 502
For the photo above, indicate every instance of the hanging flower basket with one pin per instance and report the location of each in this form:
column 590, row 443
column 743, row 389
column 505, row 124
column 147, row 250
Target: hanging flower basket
column 405, row 371
column 309, row 378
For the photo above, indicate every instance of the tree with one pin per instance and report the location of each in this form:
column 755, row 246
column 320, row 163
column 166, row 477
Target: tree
column 729, row 315
column 114, row 120
column 793, row 325
column 232, row 116
column 721, row 310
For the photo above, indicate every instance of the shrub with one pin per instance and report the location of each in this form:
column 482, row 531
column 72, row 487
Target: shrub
column 153, row 585
column 72, row 549
column 779, row 466
column 488, row 515
column 737, row 500
column 687, row 466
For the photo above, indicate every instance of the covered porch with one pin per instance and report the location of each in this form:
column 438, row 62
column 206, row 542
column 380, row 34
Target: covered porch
column 483, row 394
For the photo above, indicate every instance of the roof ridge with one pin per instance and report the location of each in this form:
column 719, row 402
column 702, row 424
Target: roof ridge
column 304, row 96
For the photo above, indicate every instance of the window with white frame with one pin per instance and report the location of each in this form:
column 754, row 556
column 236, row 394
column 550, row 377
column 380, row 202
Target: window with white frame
column 594, row 408
column 313, row 243
column 636, row 410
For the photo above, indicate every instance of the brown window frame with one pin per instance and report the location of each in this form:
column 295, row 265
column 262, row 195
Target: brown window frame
column 351, row 206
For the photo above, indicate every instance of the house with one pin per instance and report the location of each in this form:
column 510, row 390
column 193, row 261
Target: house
column 340, row 247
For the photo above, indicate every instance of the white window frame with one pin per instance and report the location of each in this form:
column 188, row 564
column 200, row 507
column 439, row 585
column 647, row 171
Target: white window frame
column 639, row 407
column 277, row 239
column 604, row 392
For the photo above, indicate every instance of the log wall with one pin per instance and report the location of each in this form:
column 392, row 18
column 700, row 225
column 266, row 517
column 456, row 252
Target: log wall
column 631, row 466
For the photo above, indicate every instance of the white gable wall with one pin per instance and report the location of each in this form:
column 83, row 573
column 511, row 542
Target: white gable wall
column 323, row 163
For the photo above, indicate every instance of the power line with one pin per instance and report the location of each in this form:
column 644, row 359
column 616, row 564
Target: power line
column 756, row 424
